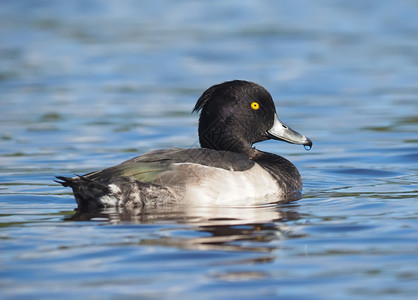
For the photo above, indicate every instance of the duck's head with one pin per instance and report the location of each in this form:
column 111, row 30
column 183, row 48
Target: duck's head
column 236, row 114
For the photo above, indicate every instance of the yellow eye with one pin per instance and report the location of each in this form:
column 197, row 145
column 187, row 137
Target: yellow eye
column 255, row 105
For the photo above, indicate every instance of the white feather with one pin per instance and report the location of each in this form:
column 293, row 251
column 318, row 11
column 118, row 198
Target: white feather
column 217, row 186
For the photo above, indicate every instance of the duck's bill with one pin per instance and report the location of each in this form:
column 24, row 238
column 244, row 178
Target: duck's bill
column 280, row 131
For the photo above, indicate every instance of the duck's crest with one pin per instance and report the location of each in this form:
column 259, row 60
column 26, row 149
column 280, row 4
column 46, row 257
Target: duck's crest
column 219, row 90
column 205, row 98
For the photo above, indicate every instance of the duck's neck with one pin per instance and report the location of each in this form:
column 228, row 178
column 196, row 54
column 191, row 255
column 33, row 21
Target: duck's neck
column 223, row 142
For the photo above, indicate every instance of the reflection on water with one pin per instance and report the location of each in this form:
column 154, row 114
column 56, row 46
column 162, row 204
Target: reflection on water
column 215, row 228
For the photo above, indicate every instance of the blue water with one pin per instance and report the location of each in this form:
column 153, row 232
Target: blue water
column 87, row 84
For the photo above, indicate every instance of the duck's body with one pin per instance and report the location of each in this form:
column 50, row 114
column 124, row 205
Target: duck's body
column 189, row 176
column 226, row 171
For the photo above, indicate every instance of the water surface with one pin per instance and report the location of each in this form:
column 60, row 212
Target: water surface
column 86, row 84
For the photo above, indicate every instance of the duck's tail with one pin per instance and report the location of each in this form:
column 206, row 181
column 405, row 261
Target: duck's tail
column 88, row 193
column 122, row 191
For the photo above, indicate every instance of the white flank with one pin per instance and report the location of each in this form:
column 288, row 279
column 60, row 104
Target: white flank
column 108, row 200
column 217, row 186
column 114, row 188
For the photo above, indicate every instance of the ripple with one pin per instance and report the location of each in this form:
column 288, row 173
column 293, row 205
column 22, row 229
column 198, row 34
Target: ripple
column 364, row 172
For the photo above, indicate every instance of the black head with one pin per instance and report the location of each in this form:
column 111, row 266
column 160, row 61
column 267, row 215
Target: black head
column 236, row 114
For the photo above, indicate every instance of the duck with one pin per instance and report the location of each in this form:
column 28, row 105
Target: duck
column 227, row 170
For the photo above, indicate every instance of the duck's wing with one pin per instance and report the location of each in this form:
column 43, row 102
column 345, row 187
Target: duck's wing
column 153, row 166
column 144, row 168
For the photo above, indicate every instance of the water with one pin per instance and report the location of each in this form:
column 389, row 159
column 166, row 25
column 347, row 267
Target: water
column 87, row 84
